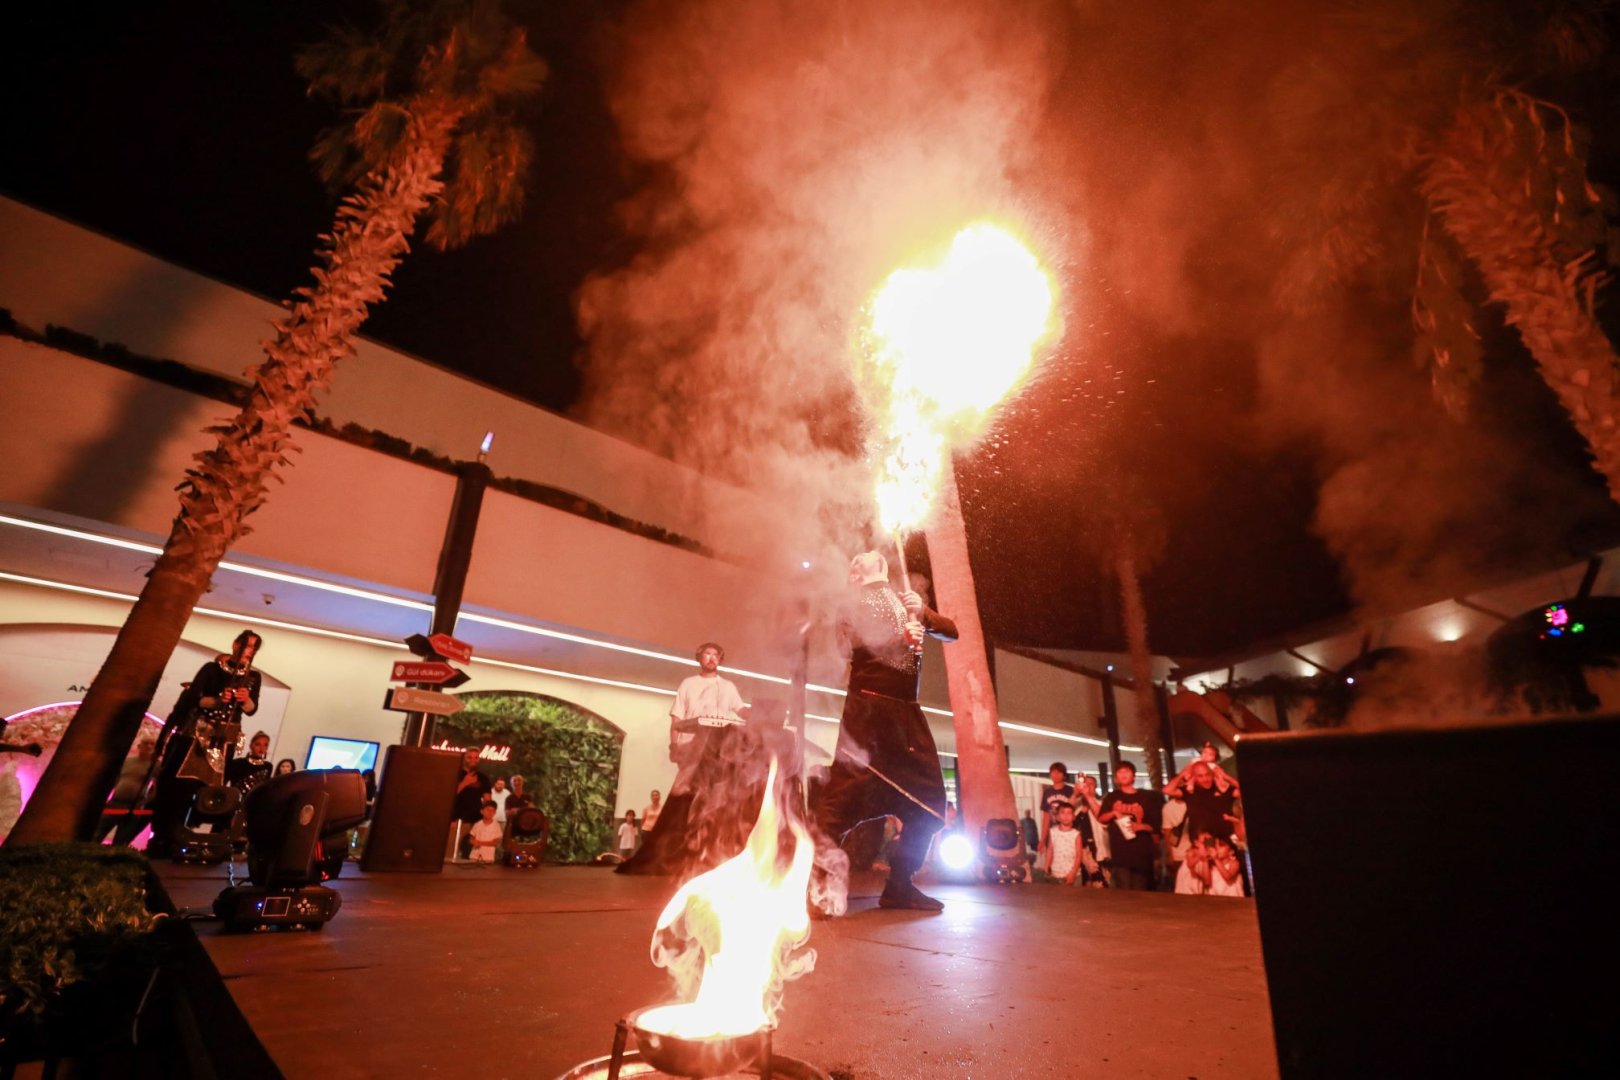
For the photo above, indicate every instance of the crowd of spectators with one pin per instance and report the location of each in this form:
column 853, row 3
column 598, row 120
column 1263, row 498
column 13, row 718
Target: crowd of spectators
column 481, row 809
column 1187, row 838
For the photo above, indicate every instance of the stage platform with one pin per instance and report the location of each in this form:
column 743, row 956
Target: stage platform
column 489, row 972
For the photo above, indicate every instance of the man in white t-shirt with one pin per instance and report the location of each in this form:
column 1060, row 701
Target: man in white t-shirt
column 702, row 702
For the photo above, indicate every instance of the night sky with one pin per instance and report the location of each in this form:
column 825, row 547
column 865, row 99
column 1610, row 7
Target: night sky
column 182, row 129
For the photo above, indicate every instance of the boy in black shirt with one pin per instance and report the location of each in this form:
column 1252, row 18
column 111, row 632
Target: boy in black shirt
column 1134, row 819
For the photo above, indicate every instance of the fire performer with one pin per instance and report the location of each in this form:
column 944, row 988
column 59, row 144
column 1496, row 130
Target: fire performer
column 700, row 824
column 886, row 762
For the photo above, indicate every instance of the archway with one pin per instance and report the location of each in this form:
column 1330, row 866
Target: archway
column 42, row 726
column 45, row 669
column 567, row 755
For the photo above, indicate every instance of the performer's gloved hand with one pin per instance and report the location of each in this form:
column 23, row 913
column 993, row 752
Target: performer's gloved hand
column 913, row 603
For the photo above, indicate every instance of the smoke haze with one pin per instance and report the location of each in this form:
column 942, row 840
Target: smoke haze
column 1235, row 262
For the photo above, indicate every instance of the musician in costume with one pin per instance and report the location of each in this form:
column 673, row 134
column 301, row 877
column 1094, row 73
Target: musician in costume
column 714, row 756
column 201, row 735
column 885, row 762
column 248, row 772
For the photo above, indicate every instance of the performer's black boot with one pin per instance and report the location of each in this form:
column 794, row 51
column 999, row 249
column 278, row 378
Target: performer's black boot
column 899, row 892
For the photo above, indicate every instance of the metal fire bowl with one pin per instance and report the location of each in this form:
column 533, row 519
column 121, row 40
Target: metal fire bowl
column 634, row 1067
column 714, row 1056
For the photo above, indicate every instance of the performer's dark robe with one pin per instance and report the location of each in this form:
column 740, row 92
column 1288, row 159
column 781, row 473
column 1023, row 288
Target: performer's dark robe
column 886, row 761
column 709, row 822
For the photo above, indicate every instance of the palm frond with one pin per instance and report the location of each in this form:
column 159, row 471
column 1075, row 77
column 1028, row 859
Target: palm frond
column 487, row 176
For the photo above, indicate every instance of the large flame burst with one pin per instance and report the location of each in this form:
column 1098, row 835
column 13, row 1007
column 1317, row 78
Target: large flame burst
column 733, row 934
column 943, row 345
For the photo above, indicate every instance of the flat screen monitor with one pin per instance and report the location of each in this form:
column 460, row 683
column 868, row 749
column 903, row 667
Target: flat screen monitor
column 329, row 753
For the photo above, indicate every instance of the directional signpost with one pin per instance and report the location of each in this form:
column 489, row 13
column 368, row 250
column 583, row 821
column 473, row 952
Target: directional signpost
column 439, row 647
column 450, row 648
column 419, row 699
column 429, row 672
column 407, row 699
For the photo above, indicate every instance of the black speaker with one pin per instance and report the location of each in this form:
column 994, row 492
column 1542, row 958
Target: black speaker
column 1437, row 901
column 411, row 822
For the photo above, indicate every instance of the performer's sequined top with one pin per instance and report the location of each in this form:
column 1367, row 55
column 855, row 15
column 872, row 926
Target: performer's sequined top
column 880, row 661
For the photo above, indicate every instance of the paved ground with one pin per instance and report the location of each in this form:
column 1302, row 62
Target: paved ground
column 489, row 973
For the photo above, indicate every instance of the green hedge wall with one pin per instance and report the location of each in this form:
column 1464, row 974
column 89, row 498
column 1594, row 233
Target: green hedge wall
column 568, row 758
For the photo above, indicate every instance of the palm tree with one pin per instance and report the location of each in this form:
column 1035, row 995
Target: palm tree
column 983, row 783
column 1411, row 134
column 1135, row 550
column 431, row 101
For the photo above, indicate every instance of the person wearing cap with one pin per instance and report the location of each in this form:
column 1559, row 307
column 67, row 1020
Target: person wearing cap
column 700, row 823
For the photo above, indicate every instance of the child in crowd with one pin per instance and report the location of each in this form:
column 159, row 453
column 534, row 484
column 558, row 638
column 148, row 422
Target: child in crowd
column 486, row 835
column 1226, row 869
column 1192, row 879
column 1212, row 868
column 1063, row 846
column 499, row 795
column 627, row 835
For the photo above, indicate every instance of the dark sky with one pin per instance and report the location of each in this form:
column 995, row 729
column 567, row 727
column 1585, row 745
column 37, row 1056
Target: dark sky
column 182, row 128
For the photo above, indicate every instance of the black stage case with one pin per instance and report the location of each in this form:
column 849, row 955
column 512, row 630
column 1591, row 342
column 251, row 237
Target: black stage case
column 1438, row 902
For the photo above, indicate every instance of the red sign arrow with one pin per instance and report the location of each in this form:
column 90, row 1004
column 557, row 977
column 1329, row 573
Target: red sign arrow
column 432, row 672
column 450, row 648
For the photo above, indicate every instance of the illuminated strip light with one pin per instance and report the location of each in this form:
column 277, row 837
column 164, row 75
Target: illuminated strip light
column 63, row 705
column 397, row 601
column 1010, row 726
column 322, row 632
column 225, row 564
column 213, row 613
column 417, row 605
column 232, row 616
column 660, row 690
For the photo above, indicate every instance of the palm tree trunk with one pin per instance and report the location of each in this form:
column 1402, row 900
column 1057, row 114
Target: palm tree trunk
column 983, row 784
column 229, row 482
column 1478, row 182
column 1136, row 638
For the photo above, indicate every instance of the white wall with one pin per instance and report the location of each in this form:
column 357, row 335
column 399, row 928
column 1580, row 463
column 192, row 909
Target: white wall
column 54, row 272
column 109, row 446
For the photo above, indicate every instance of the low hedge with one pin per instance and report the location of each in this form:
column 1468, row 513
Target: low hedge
column 70, row 915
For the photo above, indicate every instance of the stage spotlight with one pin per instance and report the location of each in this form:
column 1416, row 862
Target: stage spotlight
column 294, row 824
column 956, row 852
column 527, row 830
column 1002, row 859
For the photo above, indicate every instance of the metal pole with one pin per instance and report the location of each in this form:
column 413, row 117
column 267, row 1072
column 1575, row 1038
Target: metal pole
column 1279, row 704
column 1111, row 720
column 455, row 556
column 1167, row 731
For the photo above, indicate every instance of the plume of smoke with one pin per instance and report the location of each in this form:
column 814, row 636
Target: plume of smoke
column 1199, row 195
column 1432, row 689
column 797, row 152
